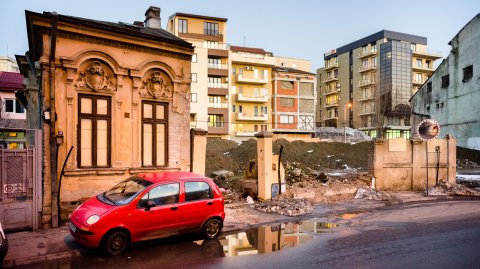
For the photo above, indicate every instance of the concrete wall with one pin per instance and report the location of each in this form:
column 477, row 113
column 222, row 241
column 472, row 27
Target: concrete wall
column 455, row 107
column 401, row 164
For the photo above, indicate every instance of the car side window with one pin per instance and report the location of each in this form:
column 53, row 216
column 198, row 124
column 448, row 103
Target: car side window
column 161, row 195
column 197, row 191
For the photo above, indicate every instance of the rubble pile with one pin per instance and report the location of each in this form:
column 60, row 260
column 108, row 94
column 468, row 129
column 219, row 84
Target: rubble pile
column 230, row 196
column 469, row 180
column 224, row 179
column 445, row 188
column 465, row 163
column 371, row 194
column 285, row 206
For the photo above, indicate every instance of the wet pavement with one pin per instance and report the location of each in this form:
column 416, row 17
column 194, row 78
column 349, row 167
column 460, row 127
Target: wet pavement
column 188, row 251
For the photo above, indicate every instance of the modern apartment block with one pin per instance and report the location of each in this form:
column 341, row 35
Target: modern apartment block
column 293, row 103
column 210, row 69
column 367, row 84
column 250, row 91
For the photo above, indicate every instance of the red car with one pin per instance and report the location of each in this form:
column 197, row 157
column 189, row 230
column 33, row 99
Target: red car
column 148, row 206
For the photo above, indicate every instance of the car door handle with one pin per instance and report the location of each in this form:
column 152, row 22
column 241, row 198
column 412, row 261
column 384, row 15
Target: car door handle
column 210, row 203
column 174, row 208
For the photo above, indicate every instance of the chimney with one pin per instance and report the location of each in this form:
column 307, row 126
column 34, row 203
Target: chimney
column 152, row 18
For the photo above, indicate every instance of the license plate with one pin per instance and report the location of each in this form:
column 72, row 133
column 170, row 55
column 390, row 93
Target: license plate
column 72, row 227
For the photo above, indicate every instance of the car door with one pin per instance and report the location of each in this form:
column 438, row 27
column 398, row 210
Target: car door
column 163, row 218
column 198, row 204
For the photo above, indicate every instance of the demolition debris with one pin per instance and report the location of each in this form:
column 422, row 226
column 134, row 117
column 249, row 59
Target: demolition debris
column 285, row 206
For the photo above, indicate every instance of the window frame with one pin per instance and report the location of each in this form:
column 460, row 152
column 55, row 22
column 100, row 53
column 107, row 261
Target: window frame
column 210, row 191
column 182, row 26
column 154, row 123
column 94, row 119
column 467, row 73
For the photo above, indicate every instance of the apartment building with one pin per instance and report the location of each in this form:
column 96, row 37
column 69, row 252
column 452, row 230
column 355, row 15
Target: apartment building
column 210, row 69
column 367, row 84
column 250, row 91
column 293, row 103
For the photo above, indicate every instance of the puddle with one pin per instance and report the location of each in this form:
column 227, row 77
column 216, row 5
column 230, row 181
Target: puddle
column 270, row 238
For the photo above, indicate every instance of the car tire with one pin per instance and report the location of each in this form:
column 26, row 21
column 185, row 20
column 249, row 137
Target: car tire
column 212, row 228
column 116, row 242
column 3, row 248
column 212, row 248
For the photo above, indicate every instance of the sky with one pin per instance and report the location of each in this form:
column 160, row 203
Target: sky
column 303, row 29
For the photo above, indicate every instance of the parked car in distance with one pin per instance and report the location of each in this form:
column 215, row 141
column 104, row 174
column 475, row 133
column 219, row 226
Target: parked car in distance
column 149, row 206
column 3, row 244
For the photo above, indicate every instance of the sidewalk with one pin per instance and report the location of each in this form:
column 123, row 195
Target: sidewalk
column 37, row 246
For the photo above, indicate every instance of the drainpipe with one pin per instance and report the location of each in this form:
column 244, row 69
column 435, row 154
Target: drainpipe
column 53, row 142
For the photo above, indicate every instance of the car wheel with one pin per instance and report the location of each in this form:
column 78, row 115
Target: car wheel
column 3, row 248
column 212, row 228
column 116, row 243
column 212, row 248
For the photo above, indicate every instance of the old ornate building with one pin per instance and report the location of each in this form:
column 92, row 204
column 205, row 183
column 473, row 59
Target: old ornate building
column 115, row 94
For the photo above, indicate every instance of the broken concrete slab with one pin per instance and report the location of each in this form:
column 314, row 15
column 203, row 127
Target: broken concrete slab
column 371, row 194
column 285, row 206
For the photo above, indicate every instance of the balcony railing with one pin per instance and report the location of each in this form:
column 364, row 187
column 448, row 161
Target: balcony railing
column 418, row 81
column 423, row 68
column 245, row 133
column 218, row 66
column 253, row 80
column 364, row 54
column 330, row 79
column 331, row 66
column 218, row 105
column 427, row 54
column 252, row 98
column 218, row 85
column 252, row 117
column 366, row 82
column 367, row 97
column 330, row 117
column 215, row 45
column 331, row 104
column 334, row 91
column 366, row 68
column 367, row 112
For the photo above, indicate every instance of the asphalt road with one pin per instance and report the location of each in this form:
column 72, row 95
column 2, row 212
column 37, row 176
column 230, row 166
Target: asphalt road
column 435, row 234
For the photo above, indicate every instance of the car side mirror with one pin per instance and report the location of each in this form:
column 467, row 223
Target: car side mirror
column 150, row 204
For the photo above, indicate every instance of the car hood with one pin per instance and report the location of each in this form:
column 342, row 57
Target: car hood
column 90, row 207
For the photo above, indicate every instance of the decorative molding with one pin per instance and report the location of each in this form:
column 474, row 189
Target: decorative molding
column 158, row 85
column 96, row 77
column 123, row 45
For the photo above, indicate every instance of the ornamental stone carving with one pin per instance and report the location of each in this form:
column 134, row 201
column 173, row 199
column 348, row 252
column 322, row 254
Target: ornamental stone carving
column 96, row 77
column 158, row 85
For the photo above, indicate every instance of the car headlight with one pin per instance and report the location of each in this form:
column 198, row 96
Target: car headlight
column 92, row 219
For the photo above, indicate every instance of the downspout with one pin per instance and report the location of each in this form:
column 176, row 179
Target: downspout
column 53, row 142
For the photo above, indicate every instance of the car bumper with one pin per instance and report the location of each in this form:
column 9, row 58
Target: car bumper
column 86, row 236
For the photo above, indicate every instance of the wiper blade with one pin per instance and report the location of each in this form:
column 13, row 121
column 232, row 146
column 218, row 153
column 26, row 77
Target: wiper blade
column 108, row 199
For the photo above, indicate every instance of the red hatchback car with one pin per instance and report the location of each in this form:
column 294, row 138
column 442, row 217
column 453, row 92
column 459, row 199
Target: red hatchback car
column 148, row 206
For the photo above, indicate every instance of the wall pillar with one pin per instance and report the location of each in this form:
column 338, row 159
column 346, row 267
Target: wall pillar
column 264, row 164
column 198, row 150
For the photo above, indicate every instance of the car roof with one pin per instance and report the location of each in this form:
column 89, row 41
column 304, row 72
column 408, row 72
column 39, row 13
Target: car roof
column 166, row 176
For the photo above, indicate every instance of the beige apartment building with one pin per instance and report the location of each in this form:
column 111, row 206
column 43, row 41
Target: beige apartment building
column 209, row 70
column 367, row 84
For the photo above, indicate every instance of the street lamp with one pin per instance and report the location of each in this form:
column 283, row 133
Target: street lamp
column 349, row 105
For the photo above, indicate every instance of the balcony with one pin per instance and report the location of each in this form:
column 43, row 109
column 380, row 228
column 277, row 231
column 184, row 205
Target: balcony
column 366, row 82
column 423, row 68
column 367, row 97
column 329, row 92
column 250, row 134
column 218, row 70
column 426, row 54
column 330, row 79
column 417, row 82
column 367, row 112
column 365, row 54
column 331, row 66
column 217, row 105
column 334, row 104
column 218, row 85
column 216, row 38
column 367, row 68
column 251, row 80
column 252, row 99
column 330, row 117
column 252, row 117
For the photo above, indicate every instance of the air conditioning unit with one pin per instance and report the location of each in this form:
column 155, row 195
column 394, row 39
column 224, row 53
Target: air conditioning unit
column 226, row 97
column 338, row 85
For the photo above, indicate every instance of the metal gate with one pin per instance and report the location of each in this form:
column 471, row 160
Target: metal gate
column 17, row 178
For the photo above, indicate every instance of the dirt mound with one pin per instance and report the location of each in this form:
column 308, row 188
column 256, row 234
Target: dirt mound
column 311, row 156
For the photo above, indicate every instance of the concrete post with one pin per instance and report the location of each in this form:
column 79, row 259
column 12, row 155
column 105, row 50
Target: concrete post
column 264, row 164
column 198, row 150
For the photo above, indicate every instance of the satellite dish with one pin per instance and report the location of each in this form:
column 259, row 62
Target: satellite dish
column 428, row 129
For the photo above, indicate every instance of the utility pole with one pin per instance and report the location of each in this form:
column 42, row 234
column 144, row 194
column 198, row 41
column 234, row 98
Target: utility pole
column 345, row 123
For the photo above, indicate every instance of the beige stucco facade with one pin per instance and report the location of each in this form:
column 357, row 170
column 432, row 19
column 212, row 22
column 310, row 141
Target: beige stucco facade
column 120, row 75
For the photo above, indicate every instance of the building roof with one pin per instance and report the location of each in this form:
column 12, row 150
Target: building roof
column 156, row 34
column 178, row 14
column 249, row 50
column 11, row 81
column 476, row 16
column 377, row 36
column 290, row 70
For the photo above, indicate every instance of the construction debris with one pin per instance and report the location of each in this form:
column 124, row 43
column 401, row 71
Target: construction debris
column 445, row 188
column 285, row 206
column 371, row 194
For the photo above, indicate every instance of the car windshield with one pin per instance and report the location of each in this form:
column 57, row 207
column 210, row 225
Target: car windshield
column 125, row 191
